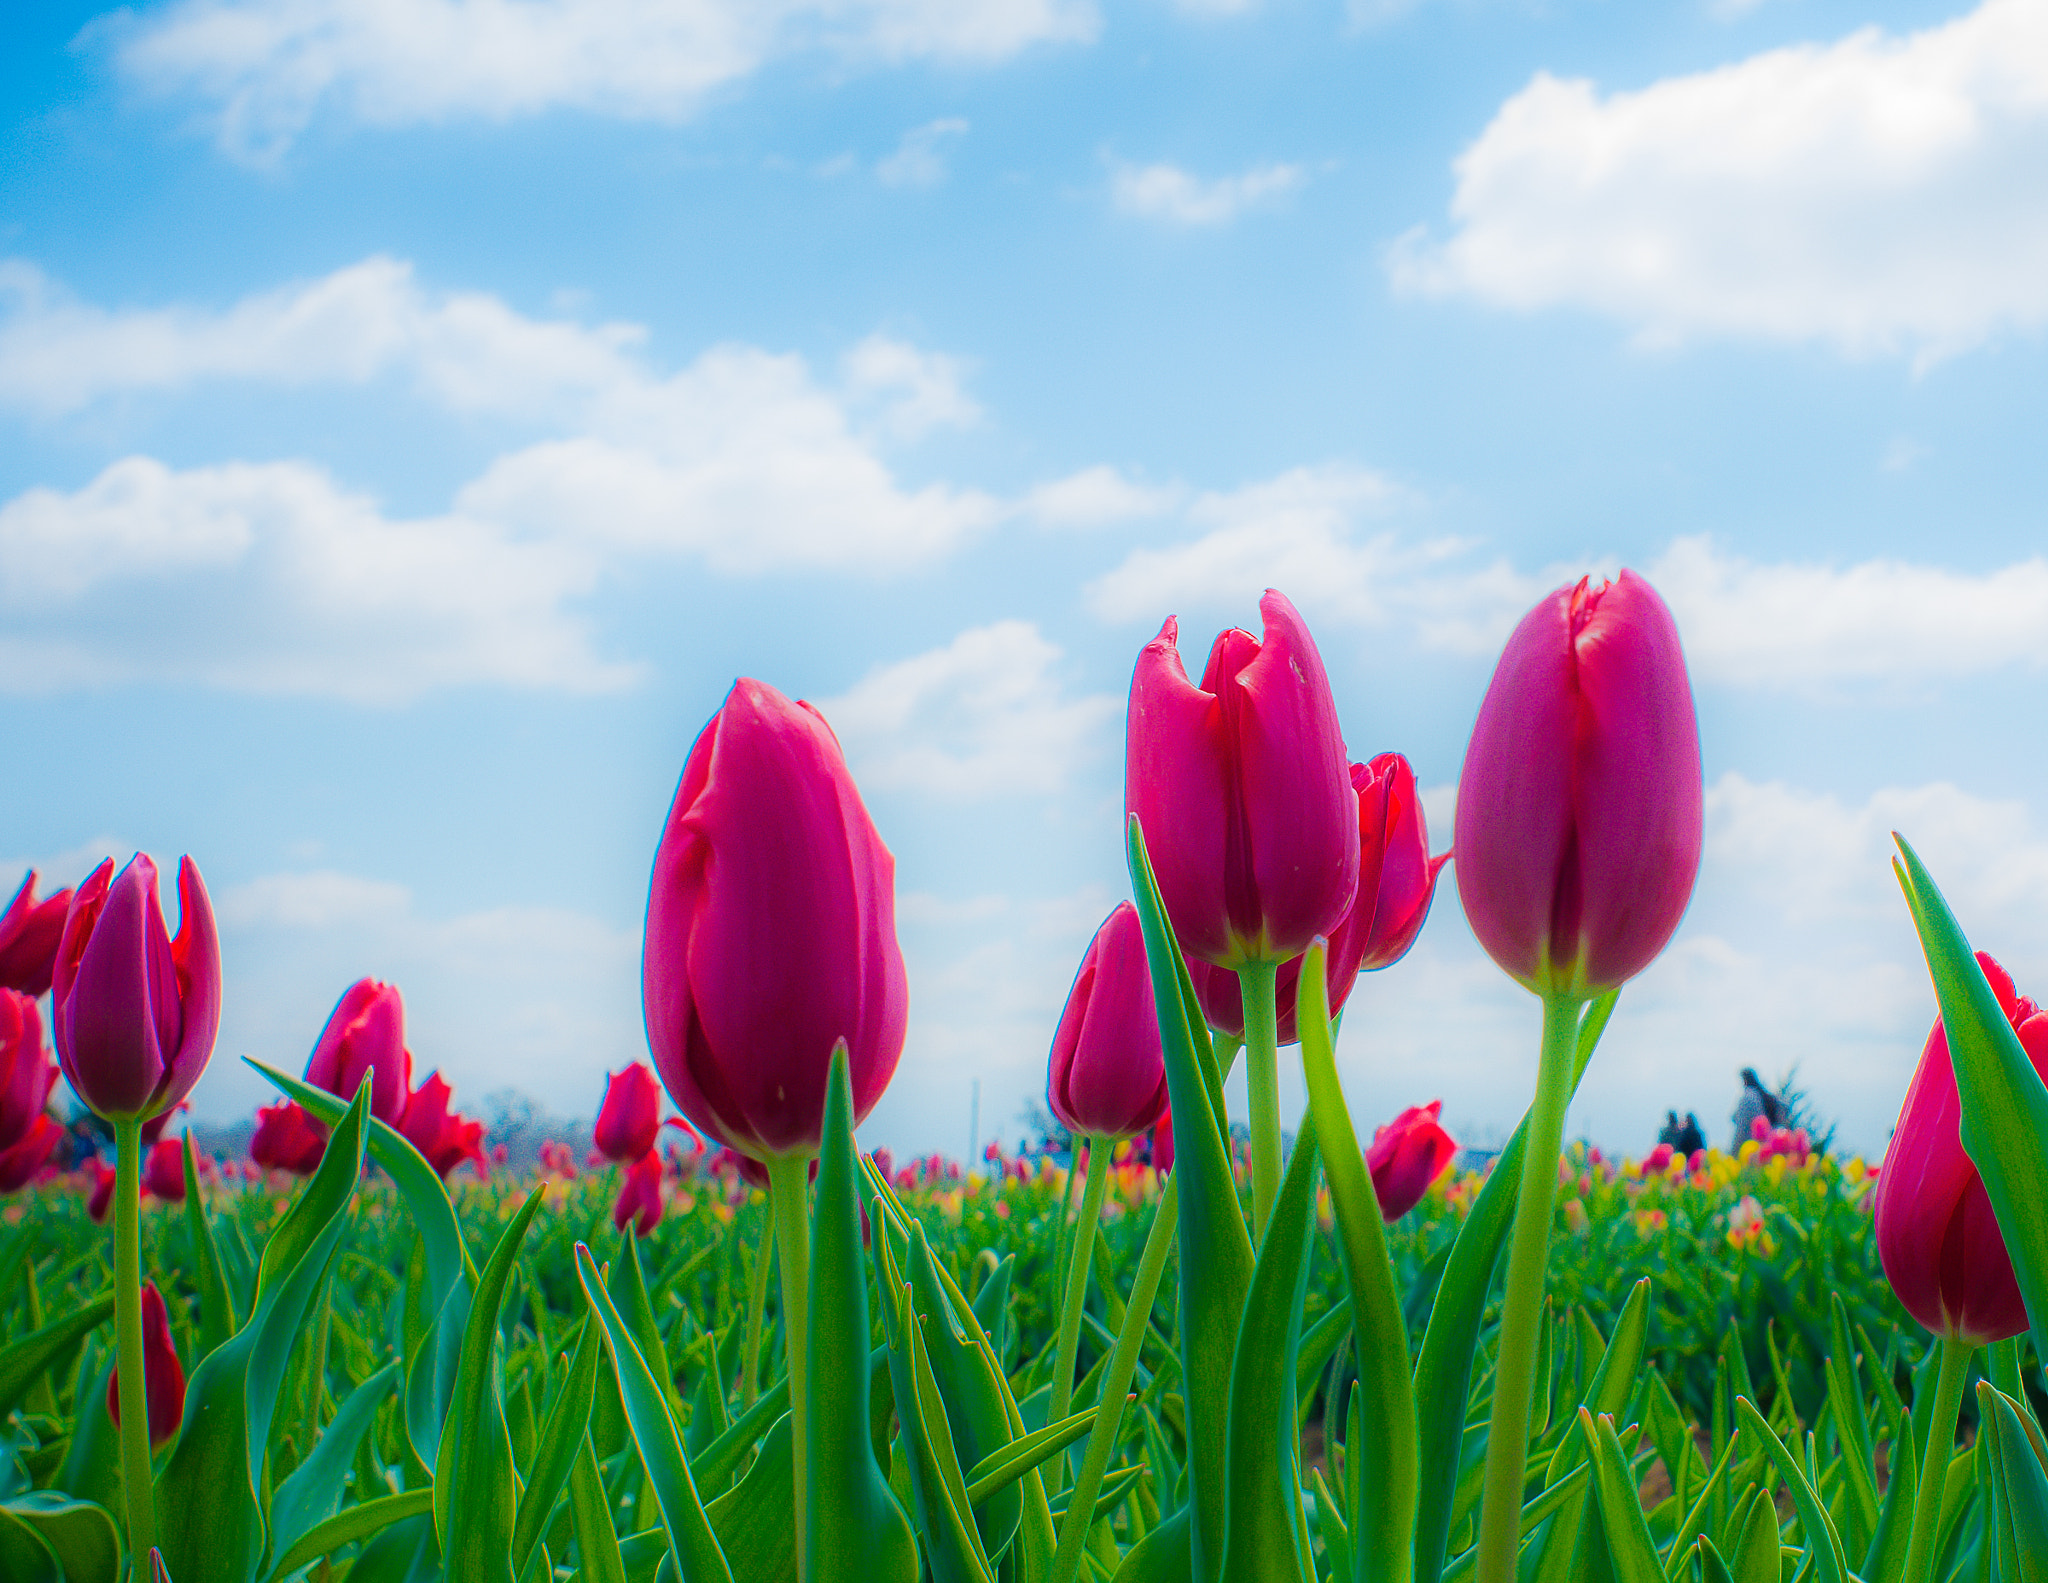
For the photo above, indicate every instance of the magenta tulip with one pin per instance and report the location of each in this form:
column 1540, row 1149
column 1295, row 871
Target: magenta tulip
column 136, row 1011
column 1396, row 883
column 1406, row 1155
column 639, row 1199
column 287, row 1138
column 1936, row 1235
column 163, row 1170
column 445, row 1137
column 1107, row 1076
column 630, row 1117
column 771, row 931
column 1241, row 789
column 366, row 1033
column 100, row 1198
column 164, row 1376
column 1580, row 805
column 27, row 1132
column 29, row 932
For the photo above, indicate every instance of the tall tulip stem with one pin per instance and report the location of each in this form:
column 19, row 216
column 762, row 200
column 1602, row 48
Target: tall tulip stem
column 1507, row 1436
column 137, row 1477
column 1941, row 1442
column 1079, row 1257
column 1262, row 1074
column 757, row 1306
column 789, row 1195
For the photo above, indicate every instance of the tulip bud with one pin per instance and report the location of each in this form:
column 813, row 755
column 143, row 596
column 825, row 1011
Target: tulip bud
column 771, row 931
column 27, row 1132
column 639, row 1197
column 1580, row 807
column 163, row 1170
column 164, row 1376
column 287, row 1138
column 1241, row 790
column 630, row 1117
column 365, row 1033
column 1107, row 1076
column 101, row 1198
column 1936, row 1235
column 446, row 1138
column 29, row 932
column 136, row 1011
column 1406, row 1155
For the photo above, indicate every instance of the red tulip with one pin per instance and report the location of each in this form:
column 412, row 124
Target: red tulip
column 771, row 931
column 1396, row 882
column 1107, row 1077
column 287, row 1138
column 101, row 1198
column 136, row 1011
column 1240, row 787
column 630, row 1117
column 366, row 1033
column 1162, row 1142
column 1580, row 806
column 1406, row 1155
column 29, row 932
column 444, row 1137
column 639, row 1197
column 27, row 1132
column 1936, row 1235
column 163, row 1170
column 163, row 1375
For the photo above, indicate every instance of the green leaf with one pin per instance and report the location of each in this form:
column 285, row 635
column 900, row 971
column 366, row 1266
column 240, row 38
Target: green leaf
column 2022, row 1484
column 752, row 1520
column 1852, row 1430
column 2005, row 1103
column 1215, row 1248
column 24, row 1557
column 80, row 1534
column 1166, row 1554
column 23, row 1362
column 217, row 1317
column 1614, row 1380
column 568, row 1425
column 1756, row 1553
column 211, row 1523
column 1629, row 1547
column 313, row 1492
column 353, row 1525
column 1821, row 1538
column 1443, row 1370
column 597, row 1542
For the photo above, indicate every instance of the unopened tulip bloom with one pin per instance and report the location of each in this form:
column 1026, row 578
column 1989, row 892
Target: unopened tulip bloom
column 1936, row 1235
column 1396, row 883
column 1580, row 805
column 771, row 931
column 366, row 1033
column 29, row 932
column 630, row 1117
column 165, row 1376
column 1241, row 789
column 1107, row 1076
column 101, row 1198
column 1406, row 1155
column 163, row 1170
column 445, row 1137
column 287, row 1138
column 136, row 1011
column 27, row 1131
column 639, row 1197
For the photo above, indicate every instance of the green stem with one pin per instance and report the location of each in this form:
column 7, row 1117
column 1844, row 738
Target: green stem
column 1941, row 1444
column 1255, row 982
column 136, row 1475
column 789, row 1194
column 1507, row 1437
column 1078, row 1260
column 757, row 1306
column 1116, row 1381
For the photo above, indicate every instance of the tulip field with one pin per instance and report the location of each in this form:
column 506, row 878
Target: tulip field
column 1197, row 1348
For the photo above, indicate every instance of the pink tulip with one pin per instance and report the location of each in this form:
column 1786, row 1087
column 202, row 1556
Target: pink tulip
column 287, row 1138
column 1396, row 882
column 163, row 1170
column 163, row 1376
column 365, row 1033
column 136, row 1011
column 443, row 1136
column 771, row 931
column 101, row 1198
column 1406, row 1155
column 1107, row 1077
column 1241, row 790
column 27, row 1132
column 29, row 932
column 1580, row 805
column 639, row 1197
column 630, row 1117
column 1936, row 1235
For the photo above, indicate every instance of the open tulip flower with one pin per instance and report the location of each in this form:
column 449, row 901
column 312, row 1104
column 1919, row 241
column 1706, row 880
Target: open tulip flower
column 29, row 932
column 366, row 1033
column 287, row 1138
column 445, row 1137
column 27, row 1132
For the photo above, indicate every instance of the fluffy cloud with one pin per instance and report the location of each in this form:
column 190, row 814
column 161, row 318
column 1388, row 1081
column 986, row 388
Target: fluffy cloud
column 920, row 159
column 985, row 716
column 1166, row 192
column 1097, row 497
column 1882, row 193
column 266, row 67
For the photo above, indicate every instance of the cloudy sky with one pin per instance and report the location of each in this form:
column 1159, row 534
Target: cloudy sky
column 413, row 415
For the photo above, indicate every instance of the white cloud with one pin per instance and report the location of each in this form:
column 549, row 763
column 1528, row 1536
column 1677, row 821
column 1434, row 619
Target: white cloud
column 267, row 67
column 1166, row 192
column 316, row 899
column 920, row 159
column 911, row 392
column 1098, row 497
column 1883, row 193
column 984, row 716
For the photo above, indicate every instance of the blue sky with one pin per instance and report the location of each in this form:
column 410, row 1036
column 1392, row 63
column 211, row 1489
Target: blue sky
column 413, row 417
